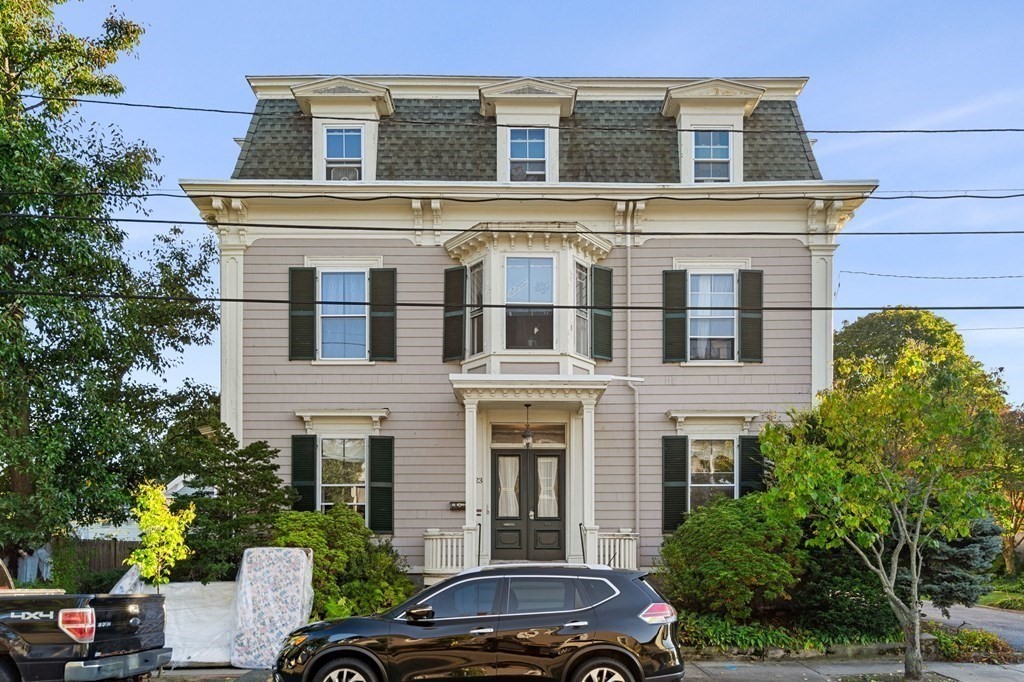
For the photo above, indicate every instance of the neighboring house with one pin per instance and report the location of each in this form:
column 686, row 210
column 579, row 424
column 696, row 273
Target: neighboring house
column 590, row 239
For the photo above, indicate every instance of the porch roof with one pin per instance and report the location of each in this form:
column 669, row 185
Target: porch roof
column 515, row 388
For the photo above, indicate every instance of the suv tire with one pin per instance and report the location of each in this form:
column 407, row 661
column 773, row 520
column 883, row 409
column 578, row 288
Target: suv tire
column 345, row 670
column 603, row 670
column 8, row 673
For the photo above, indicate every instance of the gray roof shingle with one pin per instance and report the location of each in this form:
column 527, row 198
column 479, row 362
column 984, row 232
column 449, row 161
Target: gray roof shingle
column 278, row 143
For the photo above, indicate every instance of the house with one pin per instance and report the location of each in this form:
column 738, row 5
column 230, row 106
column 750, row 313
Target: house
column 629, row 273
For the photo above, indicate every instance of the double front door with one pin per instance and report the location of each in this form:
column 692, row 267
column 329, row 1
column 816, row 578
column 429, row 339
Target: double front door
column 528, row 505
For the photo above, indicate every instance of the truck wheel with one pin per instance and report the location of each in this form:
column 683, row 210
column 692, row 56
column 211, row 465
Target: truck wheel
column 345, row 670
column 8, row 673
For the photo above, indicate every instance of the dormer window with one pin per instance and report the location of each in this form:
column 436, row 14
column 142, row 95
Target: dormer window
column 711, row 156
column 344, row 154
column 527, row 155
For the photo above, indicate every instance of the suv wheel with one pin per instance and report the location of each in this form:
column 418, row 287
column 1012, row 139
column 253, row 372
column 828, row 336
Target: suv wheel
column 8, row 673
column 345, row 670
column 603, row 670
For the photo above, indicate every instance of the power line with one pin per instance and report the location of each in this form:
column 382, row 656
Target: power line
column 944, row 277
column 489, row 230
column 433, row 304
column 480, row 124
column 984, row 329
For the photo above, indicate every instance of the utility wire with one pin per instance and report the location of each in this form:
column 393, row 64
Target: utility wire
column 489, row 230
column 438, row 304
column 481, row 124
column 944, row 277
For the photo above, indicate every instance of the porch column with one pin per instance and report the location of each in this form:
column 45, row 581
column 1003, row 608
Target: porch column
column 821, row 320
column 470, row 533
column 589, row 517
column 232, row 258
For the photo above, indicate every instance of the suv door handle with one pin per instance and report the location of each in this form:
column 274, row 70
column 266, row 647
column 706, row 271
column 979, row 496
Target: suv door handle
column 576, row 624
column 481, row 631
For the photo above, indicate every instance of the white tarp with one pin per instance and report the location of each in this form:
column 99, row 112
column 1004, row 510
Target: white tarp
column 275, row 596
column 199, row 621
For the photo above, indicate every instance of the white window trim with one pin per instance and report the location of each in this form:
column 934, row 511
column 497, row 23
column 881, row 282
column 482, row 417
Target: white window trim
column 482, row 264
column 589, row 316
column 547, row 154
column 331, row 264
column 319, row 318
column 696, row 435
column 347, row 161
column 369, row 146
column 366, row 469
column 555, row 346
column 712, row 266
column 693, row 153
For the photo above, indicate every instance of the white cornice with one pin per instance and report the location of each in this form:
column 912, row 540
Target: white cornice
column 340, row 90
column 482, row 236
column 713, row 92
column 515, row 388
column 527, row 90
column 468, row 87
column 736, row 417
column 373, row 416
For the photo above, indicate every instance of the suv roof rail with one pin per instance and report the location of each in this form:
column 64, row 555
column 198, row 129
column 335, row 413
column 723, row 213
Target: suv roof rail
column 534, row 564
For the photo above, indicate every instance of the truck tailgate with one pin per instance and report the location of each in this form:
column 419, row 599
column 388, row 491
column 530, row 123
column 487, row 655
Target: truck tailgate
column 128, row 623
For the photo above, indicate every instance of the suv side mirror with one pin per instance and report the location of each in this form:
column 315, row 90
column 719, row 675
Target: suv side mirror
column 422, row 612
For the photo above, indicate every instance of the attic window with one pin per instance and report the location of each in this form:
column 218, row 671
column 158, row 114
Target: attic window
column 344, row 154
column 711, row 156
column 527, row 154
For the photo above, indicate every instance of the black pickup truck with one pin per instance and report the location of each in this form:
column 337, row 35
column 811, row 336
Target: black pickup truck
column 48, row 635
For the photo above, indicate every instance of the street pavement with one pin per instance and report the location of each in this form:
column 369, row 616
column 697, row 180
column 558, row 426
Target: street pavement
column 1007, row 624
column 820, row 671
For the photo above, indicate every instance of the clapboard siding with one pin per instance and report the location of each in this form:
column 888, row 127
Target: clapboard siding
column 426, row 418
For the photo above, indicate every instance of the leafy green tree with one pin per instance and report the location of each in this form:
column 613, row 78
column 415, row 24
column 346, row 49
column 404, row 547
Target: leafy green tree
column 895, row 457
column 1010, row 466
column 77, row 424
column 882, row 335
column 235, row 490
column 163, row 534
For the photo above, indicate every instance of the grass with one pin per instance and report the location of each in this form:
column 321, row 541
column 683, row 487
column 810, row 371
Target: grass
column 1003, row 599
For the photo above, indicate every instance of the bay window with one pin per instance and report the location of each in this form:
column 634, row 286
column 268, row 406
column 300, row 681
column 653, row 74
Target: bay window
column 529, row 300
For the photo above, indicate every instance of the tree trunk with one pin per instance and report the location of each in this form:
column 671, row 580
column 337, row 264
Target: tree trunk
column 1009, row 554
column 913, row 665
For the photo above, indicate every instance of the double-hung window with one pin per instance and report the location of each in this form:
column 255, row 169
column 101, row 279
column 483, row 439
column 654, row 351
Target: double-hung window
column 344, row 154
column 343, row 473
column 343, row 315
column 529, row 303
column 527, row 154
column 712, row 470
column 711, row 156
column 712, row 316
column 475, row 299
column 582, row 309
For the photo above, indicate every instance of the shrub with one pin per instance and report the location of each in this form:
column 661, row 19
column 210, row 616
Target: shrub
column 731, row 558
column 351, row 572
column 99, row 582
column 839, row 597
column 973, row 646
column 1011, row 603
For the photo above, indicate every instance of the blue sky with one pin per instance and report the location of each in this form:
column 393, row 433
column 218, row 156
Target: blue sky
column 871, row 65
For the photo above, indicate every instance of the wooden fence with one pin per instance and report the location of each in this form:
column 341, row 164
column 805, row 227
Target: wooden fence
column 105, row 555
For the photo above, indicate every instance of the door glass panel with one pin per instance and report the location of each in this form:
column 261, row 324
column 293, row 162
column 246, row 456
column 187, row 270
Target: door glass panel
column 508, row 486
column 547, row 487
column 539, row 595
column 473, row 598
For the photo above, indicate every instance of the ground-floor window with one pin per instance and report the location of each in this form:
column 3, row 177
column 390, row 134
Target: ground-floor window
column 712, row 470
column 343, row 473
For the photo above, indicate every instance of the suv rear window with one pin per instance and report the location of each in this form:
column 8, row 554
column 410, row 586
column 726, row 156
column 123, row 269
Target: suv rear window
column 598, row 590
column 541, row 595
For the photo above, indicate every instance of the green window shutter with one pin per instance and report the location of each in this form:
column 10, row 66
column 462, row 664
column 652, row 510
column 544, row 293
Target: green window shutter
column 601, row 317
column 673, row 301
column 751, row 316
column 304, row 472
column 301, row 313
column 383, row 297
column 382, row 486
column 675, row 479
column 751, row 465
column 454, row 342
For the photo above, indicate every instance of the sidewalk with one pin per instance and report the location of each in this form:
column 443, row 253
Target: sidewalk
column 819, row 671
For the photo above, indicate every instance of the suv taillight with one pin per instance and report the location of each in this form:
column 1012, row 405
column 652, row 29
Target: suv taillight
column 659, row 613
column 78, row 624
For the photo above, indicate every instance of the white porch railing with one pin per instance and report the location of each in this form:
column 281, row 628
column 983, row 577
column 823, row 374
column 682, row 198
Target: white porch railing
column 617, row 550
column 442, row 552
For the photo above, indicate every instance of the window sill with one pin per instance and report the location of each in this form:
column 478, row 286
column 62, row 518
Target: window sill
column 713, row 363
column 340, row 361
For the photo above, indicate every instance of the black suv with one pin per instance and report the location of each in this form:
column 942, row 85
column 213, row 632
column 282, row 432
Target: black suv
column 571, row 623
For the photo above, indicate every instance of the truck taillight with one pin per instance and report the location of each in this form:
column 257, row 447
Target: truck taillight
column 78, row 624
column 659, row 613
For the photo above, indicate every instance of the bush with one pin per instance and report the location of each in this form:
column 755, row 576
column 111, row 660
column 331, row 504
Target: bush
column 972, row 646
column 731, row 558
column 352, row 573
column 1011, row 603
column 839, row 597
column 100, row 582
